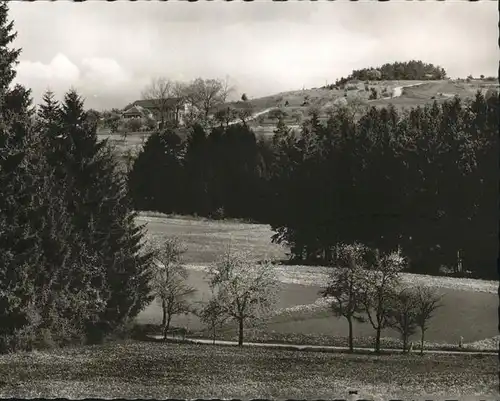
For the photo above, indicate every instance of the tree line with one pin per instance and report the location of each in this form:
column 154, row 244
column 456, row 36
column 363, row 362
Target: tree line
column 413, row 70
column 422, row 179
column 72, row 265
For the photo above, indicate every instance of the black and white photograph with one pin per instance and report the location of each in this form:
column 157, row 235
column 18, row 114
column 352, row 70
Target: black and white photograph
column 249, row 200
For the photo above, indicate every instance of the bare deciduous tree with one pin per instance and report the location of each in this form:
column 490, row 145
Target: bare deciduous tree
column 160, row 92
column 246, row 289
column 245, row 114
column 213, row 314
column 427, row 303
column 225, row 116
column 205, row 94
column 381, row 280
column 403, row 314
column 346, row 285
column 170, row 281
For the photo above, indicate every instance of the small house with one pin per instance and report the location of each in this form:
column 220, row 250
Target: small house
column 136, row 112
column 172, row 109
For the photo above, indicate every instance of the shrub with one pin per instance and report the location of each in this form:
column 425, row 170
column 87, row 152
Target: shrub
column 219, row 214
column 134, row 124
column 373, row 94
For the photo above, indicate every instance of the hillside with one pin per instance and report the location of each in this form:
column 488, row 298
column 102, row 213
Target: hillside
column 401, row 94
column 297, row 104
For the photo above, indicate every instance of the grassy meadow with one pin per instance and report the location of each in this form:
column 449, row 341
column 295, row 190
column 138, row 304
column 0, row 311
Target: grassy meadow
column 138, row 369
column 155, row 370
column 469, row 306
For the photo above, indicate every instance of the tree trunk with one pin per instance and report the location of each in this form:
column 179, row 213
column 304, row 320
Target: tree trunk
column 214, row 334
column 351, row 340
column 405, row 343
column 422, row 342
column 377, row 340
column 328, row 254
column 164, row 309
column 240, row 335
column 167, row 326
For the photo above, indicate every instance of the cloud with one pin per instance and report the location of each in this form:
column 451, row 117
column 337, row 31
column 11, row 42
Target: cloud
column 92, row 77
column 60, row 70
column 104, row 71
column 263, row 46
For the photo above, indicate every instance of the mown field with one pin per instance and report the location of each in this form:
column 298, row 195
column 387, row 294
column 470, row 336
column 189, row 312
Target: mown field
column 469, row 306
column 155, row 370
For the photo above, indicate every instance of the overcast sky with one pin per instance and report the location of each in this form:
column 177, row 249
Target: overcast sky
column 110, row 51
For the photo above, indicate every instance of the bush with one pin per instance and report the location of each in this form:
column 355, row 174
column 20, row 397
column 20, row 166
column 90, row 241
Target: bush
column 219, row 214
column 373, row 94
column 134, row 124
column 149, row 124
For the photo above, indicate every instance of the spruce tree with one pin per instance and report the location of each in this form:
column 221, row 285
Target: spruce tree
column 20, row 203
column 66, row 296
column 8, row 56
column 195, row 164
column 104, row 221
column 156, row 180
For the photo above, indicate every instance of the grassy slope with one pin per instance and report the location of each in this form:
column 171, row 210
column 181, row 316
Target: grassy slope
column 411, row 97
column 470, row 306
column 323, row 98
column 155, row 370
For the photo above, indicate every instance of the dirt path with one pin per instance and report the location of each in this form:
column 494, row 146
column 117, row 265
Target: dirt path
column 253, row 117
column 398, row 90
column 302, row 347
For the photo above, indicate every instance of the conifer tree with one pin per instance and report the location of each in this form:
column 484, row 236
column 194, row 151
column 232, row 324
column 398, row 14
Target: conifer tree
column 64, row 295
column 196, row 162
column 20, row 203
column 103, row 219
column 156, row 179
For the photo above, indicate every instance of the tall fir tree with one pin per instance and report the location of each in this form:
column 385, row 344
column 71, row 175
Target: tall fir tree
column 104, row 221
column 20, row 200
column 65, row 296
column 196, row 164
column 156, row 180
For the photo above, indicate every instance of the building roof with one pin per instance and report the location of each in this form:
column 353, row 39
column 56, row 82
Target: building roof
column 136, row 110
column 152, row 104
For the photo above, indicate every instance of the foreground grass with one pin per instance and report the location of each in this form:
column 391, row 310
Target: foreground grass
column 155, row 370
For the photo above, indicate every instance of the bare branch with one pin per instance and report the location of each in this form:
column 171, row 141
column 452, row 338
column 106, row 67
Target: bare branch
column 160, row 92
column 246, row 289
